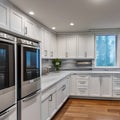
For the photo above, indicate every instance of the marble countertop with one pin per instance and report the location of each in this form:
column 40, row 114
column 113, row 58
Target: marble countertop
column 54, row 77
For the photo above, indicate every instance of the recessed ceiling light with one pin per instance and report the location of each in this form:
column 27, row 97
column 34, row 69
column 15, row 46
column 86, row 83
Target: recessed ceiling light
column 53, row 28
column 31, row 13
column 72, row 24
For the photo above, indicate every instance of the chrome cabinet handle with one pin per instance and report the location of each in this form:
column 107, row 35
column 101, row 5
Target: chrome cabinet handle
column 51, row 54
column 66, row 54
column 50, row 98
column 85, row 54
column 30, row 97
column 7, row 112
column 45, row 52
column 64, row 87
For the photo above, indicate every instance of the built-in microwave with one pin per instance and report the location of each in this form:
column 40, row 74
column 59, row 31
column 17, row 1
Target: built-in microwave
column 7, row 71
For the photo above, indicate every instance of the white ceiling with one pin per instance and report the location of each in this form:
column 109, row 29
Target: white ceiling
column 86, row 14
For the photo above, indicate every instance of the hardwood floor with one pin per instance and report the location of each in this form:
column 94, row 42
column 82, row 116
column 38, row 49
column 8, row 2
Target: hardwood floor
column 77, row 109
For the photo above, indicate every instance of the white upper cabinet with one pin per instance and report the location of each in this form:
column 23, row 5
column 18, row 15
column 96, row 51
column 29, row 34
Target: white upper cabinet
column 49, row 45
column 67, row 46
column 62, row 46
column 71, row 46
column 53, row 47
column 4, row 16
column 29, row 28
column 16, row 22
column 86, row 46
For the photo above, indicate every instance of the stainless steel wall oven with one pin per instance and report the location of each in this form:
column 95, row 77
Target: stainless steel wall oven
column 7, row 73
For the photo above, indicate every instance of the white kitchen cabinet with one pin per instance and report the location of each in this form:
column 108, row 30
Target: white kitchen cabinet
column 86, row 46
column 45, row 109
column 67, row 46
column 52, row 104
column 62, row 91
column 49, row 103
column 116, row 85
column 37, row 32
column 71, row 46
column 53, row 46
column 106, row 85
column 82, row 84
column 62, row 46
column 94, row 86
column 16, row 22
column 45, row 43
column 29, row 107
column 29, row 28
column 4, row 16
column 73, row 85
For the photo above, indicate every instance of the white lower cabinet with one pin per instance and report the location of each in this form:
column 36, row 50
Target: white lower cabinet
column 48, row 103
column 52, row 104
column 73, row 85
column 62, row 91
column 49, row 106
column 94, row 85
column 45, row 109
column 106, row 85
column 53, row 98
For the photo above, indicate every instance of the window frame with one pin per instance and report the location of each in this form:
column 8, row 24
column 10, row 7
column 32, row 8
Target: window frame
column 116, row 66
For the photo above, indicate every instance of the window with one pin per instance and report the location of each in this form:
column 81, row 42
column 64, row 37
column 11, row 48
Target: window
column 106, row 50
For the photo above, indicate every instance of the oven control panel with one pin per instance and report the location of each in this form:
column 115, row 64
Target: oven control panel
column 27, row 42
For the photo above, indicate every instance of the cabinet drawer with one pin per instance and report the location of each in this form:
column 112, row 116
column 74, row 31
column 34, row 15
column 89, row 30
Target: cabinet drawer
column 82, row 91
column 48, row 92
column 82, row 77
column 116, row 93
column 82, row 83
column 116, row 85
column 116, row 76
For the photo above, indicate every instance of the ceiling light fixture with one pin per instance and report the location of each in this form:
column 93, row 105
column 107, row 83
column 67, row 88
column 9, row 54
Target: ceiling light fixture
column 53, row 28
column 72, row 24
column 31, row 13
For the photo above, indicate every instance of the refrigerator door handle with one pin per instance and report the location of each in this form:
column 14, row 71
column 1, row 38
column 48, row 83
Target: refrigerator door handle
column 7, row 112
column 31, row 96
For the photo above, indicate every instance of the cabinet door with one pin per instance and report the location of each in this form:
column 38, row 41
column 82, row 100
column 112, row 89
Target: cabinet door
column 29, row 28
column 29, row 107
column 4, row 16
column 73, row 85
column 16, row 22
column 94, row 86
column 45, row 43
column 45, row 109
column 53, row 46
column 90, row 46
column 81, row 52
column 106, row 86
column 59, row 98
column 86, row 46
column 65, row 90
column 62, row 46
column 52, row 104
column 71, row 46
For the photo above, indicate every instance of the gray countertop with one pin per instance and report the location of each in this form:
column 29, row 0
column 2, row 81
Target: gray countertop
column 54, row 77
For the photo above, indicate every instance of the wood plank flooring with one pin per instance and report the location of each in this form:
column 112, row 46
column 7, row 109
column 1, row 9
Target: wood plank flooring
column 77, row 109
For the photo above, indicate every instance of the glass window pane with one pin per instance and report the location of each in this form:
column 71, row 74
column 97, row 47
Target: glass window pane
column 106, row 50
